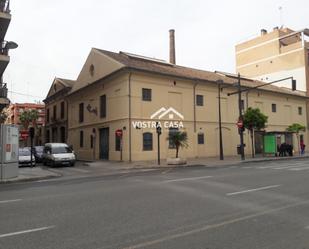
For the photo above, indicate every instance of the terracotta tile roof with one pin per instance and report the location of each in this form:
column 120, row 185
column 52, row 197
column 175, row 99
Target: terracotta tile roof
column 66, row 82
column 158, row 66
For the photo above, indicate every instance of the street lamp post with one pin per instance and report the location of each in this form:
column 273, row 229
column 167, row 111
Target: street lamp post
column 159, row 131
column 240, row 119
column 220, row 123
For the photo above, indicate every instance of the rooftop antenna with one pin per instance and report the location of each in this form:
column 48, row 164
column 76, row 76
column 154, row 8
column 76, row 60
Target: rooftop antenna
column 281, row 16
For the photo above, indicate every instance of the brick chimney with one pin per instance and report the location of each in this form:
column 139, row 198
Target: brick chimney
column 172, row 47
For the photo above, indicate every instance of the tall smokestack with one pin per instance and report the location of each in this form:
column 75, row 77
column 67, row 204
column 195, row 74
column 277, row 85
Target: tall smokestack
column 172, row 47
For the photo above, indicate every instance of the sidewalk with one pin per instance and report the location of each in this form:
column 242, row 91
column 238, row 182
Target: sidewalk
column 32, row 174
column 206, row 162
column 107, row 168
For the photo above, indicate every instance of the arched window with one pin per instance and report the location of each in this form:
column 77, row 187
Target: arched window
column 147, row 141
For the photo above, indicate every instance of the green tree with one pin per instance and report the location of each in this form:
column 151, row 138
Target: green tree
column 178, row 139
column 3, row 117
column 28, row 117
column 297, row 128
column 254, row 120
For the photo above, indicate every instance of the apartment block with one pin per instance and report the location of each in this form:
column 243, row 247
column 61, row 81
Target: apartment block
column 279, row 54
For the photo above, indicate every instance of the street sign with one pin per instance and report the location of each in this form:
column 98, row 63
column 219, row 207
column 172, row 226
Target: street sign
column 118, row 133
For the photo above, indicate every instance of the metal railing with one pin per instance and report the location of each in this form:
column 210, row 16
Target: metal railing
column 5, row 6
column 3, row 49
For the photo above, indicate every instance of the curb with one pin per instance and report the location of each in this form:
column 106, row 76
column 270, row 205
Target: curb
column 232, row 163
column 275, row 159
column 28, row 179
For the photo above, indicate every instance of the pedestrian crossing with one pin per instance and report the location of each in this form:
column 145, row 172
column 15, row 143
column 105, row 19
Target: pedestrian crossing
column 288, row 166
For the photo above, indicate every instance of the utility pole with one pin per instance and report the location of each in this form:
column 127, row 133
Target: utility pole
column 31, row 133
column 220, row 123
column 159, row 131
column 240, row 119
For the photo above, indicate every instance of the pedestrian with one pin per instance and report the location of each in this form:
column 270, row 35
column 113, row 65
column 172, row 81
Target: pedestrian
column 302, row 147
column 289, row 149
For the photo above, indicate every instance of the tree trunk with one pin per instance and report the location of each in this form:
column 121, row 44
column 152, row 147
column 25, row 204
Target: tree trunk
column 252, row 144
column 297, row 136
column 177, row 149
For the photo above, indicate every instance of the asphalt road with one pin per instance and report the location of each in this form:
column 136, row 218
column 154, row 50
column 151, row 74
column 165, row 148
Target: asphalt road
column 254, row 205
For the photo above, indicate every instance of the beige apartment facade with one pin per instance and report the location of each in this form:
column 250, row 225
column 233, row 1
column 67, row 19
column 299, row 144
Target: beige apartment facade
column 122, row 91
column 275, row 55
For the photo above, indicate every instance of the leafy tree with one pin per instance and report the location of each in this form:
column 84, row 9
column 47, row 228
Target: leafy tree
column 28, row 117
column 179, row 140
column 254, row 120
column 297, row 128
column 3, row 117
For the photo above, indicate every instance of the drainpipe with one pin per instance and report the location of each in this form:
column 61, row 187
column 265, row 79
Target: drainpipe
column 130, row 127
column 67, row 121
column 194, row 105
column 247, row 100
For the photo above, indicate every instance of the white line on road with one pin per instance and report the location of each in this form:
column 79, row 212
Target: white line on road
column 213, row 226
column 252, row 190
column 187, row 179
column 26, row 231
column 8, row 201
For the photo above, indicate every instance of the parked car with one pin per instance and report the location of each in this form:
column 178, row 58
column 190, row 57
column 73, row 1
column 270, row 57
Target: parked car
column 24, row 157
column 58, row 154
column 38, row 153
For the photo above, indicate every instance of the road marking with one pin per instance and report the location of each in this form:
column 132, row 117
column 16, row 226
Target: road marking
column 187, row 179
column 252, row 190
column 8, row 201
column 25, row 231
column 213, row 226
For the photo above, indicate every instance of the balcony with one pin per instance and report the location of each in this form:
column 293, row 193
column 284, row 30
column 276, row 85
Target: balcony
column 4, row 101
column 5, row 17
column 4, row 59
column 5, row 6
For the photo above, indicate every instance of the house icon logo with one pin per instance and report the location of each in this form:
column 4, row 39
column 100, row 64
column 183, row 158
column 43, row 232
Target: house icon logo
column 171, row 113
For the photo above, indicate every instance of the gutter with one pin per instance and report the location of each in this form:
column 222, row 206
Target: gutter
column 194, row 105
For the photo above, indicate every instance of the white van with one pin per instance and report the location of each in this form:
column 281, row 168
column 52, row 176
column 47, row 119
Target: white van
column 58, row 154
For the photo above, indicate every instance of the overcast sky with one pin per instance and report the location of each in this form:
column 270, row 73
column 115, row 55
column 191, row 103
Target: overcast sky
column 55, row 36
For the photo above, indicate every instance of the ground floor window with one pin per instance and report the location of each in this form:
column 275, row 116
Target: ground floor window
column 200, row 138
column 147, row 141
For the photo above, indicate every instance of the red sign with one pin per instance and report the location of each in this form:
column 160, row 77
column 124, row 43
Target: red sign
column 118, row 133
column 240, row 124
column 24, row 135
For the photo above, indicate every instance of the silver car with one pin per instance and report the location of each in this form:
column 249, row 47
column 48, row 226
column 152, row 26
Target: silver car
column 58, row 154
column 24, row 157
